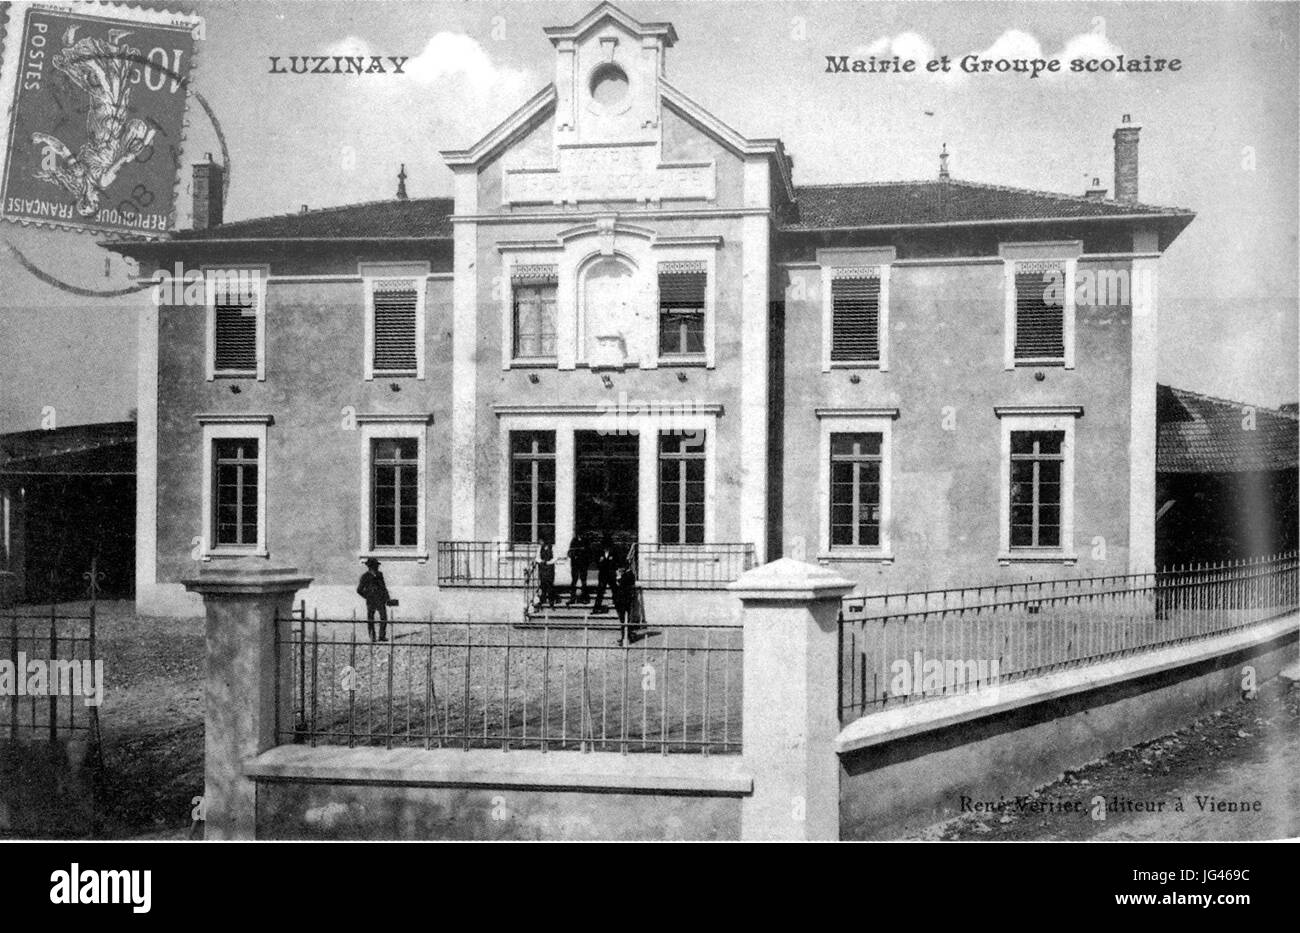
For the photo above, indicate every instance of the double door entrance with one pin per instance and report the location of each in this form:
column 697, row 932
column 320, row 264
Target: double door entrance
column 606, row 481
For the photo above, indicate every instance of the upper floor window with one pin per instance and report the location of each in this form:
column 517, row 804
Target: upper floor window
column 855, row 317
column 1041, row 313
column 236, row 323
column 394, row 327
column 533, row 317
column 682, row 288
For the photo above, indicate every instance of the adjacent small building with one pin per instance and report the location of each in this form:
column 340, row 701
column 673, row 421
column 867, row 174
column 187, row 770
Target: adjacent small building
column 67, row 501
column 1227, row 481
column 631, row 319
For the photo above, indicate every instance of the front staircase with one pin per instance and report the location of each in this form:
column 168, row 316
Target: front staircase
column 574, row 613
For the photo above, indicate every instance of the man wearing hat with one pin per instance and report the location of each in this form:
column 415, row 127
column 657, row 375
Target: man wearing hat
column 374, row 591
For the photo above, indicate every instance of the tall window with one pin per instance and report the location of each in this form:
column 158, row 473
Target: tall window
column 395, row 322
column 533, row 299
column 234, row 480
column 681, row 308
column 1040, row 311
column 394, row 492
column 235, row 306
column 855, row 315
column 855, row 490
column 1037, row 458
column 681, row 488
column 532, row 486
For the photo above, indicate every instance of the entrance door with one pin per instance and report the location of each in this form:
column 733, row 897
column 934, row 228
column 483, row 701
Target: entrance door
column 605, row 496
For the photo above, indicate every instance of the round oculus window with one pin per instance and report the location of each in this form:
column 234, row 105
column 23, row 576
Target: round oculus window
column 608, row 85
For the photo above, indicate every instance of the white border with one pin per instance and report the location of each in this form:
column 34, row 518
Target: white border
column 370, row 273
column 378, row 427
column 210, row 341
column 216, row 427
column 855, row 421
column 1027, row 419
column 1009, row 361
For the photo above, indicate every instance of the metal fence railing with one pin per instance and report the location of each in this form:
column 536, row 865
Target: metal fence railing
column 658, row 566
column 907, row 647
column 50, row 685
column 567, row 686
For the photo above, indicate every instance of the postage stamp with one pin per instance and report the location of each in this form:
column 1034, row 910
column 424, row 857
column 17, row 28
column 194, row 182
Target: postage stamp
column 94, row 104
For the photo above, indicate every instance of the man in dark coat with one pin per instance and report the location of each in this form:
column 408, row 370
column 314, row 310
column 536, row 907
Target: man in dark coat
column 625, row 603
column 577, row 570
column 606, row 571
column 374, row 591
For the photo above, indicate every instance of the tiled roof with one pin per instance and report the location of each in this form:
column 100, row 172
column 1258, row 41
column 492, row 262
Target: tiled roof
column 1201, row 434
column 911, row 203
column 417, row 217
column 107, row 447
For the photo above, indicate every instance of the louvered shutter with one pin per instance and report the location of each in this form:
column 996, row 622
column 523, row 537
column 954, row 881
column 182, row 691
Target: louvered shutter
column 396, row 303
column 855, row 316
column 235, row 338
column 1040, row 311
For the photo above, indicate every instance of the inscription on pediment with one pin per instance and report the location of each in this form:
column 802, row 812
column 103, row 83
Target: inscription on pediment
column 609, row 173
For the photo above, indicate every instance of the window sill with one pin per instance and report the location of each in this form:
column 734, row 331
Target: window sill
column 382, row 554
column 698, row 362
column 1028, row 363
column 374, row 376
column 225, row 553
column 866, row 364
column 534, row 362
column 1037, row 557
column 856, row 555
column 230, row 374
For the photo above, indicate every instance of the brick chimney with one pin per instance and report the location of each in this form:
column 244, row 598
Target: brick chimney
column 209, row 186
column 1126, row 161
column 1096, row 192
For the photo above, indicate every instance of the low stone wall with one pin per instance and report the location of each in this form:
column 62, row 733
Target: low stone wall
column 907, row 768
column 337, row 793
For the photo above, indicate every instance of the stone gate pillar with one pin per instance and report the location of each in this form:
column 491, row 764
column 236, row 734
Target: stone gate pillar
column 245, row 663
column 791, row 699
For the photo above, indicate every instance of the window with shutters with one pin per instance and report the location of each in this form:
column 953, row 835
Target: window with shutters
column 236, row 323
column 394, row 492
column 1041, row 313
column 681, row 487
column 855, row 315
column 683, row 287
column 533, row 312
column 235, row 492
column 855, row 499
column 395, row 327
column 532, row 486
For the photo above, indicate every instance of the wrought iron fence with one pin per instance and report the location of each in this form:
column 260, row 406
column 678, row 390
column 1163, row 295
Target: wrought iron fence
column 658, row 566
column 47, row 691
column 906, row 647
column 549, row 686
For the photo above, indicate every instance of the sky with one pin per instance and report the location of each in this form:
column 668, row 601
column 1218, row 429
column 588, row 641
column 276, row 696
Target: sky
column 1221, row 137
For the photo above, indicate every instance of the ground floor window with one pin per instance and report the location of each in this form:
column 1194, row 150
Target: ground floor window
column 855, row 489
column 235, row 492
column 681, row 488
column 1037, row 458
column 394, row 492
column 532, row 486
